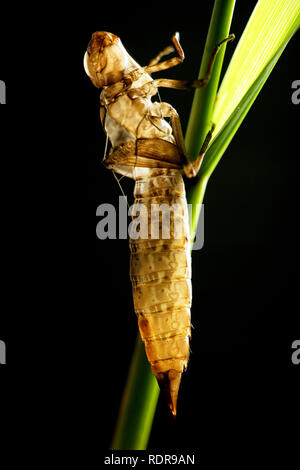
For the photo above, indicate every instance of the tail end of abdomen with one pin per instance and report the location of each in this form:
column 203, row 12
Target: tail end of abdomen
column 167, row 350
column 169, row 383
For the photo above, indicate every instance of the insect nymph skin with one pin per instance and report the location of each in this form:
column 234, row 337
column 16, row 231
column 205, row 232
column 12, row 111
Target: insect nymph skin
column 146, row 148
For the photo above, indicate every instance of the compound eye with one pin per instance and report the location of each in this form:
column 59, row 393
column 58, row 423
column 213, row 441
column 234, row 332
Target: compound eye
column 85, row 64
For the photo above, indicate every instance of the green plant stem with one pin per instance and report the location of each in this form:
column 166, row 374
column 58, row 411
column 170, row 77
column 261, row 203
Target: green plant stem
column 204, row 98
column 200, row 117
column 138, row 404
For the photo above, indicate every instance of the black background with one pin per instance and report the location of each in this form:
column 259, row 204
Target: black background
column 68, row 318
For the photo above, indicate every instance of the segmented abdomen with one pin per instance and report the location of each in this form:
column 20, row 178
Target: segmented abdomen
column 160, row 271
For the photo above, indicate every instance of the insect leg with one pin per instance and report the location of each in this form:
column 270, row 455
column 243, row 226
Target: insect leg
column 193, row 166
column 162, row 110
column 154, row 66
column 190, row 167
column 167, row 50
column 187, row 84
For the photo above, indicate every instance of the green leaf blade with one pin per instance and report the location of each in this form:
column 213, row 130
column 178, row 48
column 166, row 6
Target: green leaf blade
column 272, row 24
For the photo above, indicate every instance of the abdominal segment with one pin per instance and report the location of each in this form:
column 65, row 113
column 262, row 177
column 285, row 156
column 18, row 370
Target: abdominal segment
column 160, row 271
